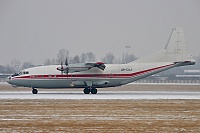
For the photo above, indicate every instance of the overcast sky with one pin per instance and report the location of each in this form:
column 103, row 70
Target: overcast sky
column 34, row 30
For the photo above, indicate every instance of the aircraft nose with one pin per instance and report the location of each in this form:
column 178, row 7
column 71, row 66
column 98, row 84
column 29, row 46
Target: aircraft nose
column 8, row 79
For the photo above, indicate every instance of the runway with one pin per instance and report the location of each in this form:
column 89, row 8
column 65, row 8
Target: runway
column 100, row 95
column 138, row 107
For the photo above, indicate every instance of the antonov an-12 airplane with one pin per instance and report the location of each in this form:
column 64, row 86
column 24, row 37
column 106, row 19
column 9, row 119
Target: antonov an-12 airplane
column 99, row 75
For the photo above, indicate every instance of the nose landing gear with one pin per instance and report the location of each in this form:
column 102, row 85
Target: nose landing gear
column 87, row 90
column 34, row 91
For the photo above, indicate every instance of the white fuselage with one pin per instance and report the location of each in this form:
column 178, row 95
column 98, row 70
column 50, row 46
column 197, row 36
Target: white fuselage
column 113, row 75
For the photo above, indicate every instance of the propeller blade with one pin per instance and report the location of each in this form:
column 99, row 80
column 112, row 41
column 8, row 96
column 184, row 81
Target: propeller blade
column 61, row 67
column 66, row 62
column 67, row 70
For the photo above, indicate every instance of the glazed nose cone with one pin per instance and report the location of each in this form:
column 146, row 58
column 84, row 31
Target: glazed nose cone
column 8, row 79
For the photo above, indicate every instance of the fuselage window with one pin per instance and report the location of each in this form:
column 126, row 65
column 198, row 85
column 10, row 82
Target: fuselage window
column 27, row 72
column 24, row 72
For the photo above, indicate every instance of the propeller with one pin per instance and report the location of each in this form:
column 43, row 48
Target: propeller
column 67, row 68
column 61, row 67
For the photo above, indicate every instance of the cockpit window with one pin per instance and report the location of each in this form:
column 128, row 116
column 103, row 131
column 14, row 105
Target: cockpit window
column 20, row 73
column 15, row 74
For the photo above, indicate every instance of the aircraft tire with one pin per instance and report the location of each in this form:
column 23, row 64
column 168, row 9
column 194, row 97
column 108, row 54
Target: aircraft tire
column 34, row 91
column 86, row 90
column 94, row 91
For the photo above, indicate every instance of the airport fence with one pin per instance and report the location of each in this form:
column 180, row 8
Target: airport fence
column 168, row 81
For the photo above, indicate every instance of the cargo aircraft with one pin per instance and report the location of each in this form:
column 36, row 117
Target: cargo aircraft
column 93, row 75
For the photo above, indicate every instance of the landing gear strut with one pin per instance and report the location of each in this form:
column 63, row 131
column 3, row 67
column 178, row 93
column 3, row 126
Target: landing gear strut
column 87, row 90
column 34, row 91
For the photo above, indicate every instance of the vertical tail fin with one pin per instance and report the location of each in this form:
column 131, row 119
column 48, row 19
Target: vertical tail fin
column 174, row 51
column 176, row 48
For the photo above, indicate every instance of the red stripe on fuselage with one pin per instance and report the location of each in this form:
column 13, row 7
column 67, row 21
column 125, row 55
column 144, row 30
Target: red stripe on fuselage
column 128, row 75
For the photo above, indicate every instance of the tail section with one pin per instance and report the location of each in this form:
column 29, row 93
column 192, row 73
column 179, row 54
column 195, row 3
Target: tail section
column 175, row 50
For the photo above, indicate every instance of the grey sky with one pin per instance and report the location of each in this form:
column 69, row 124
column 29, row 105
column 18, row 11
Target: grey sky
column 34, row 30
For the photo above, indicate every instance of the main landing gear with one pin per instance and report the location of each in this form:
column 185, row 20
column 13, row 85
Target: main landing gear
column 87, row 90
column 34, row 91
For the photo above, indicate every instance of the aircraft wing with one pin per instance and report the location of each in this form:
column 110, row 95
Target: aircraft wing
column 99, row 65
column 81, row 67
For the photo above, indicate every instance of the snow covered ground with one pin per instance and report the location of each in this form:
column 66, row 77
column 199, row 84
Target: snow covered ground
column 101, row 95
